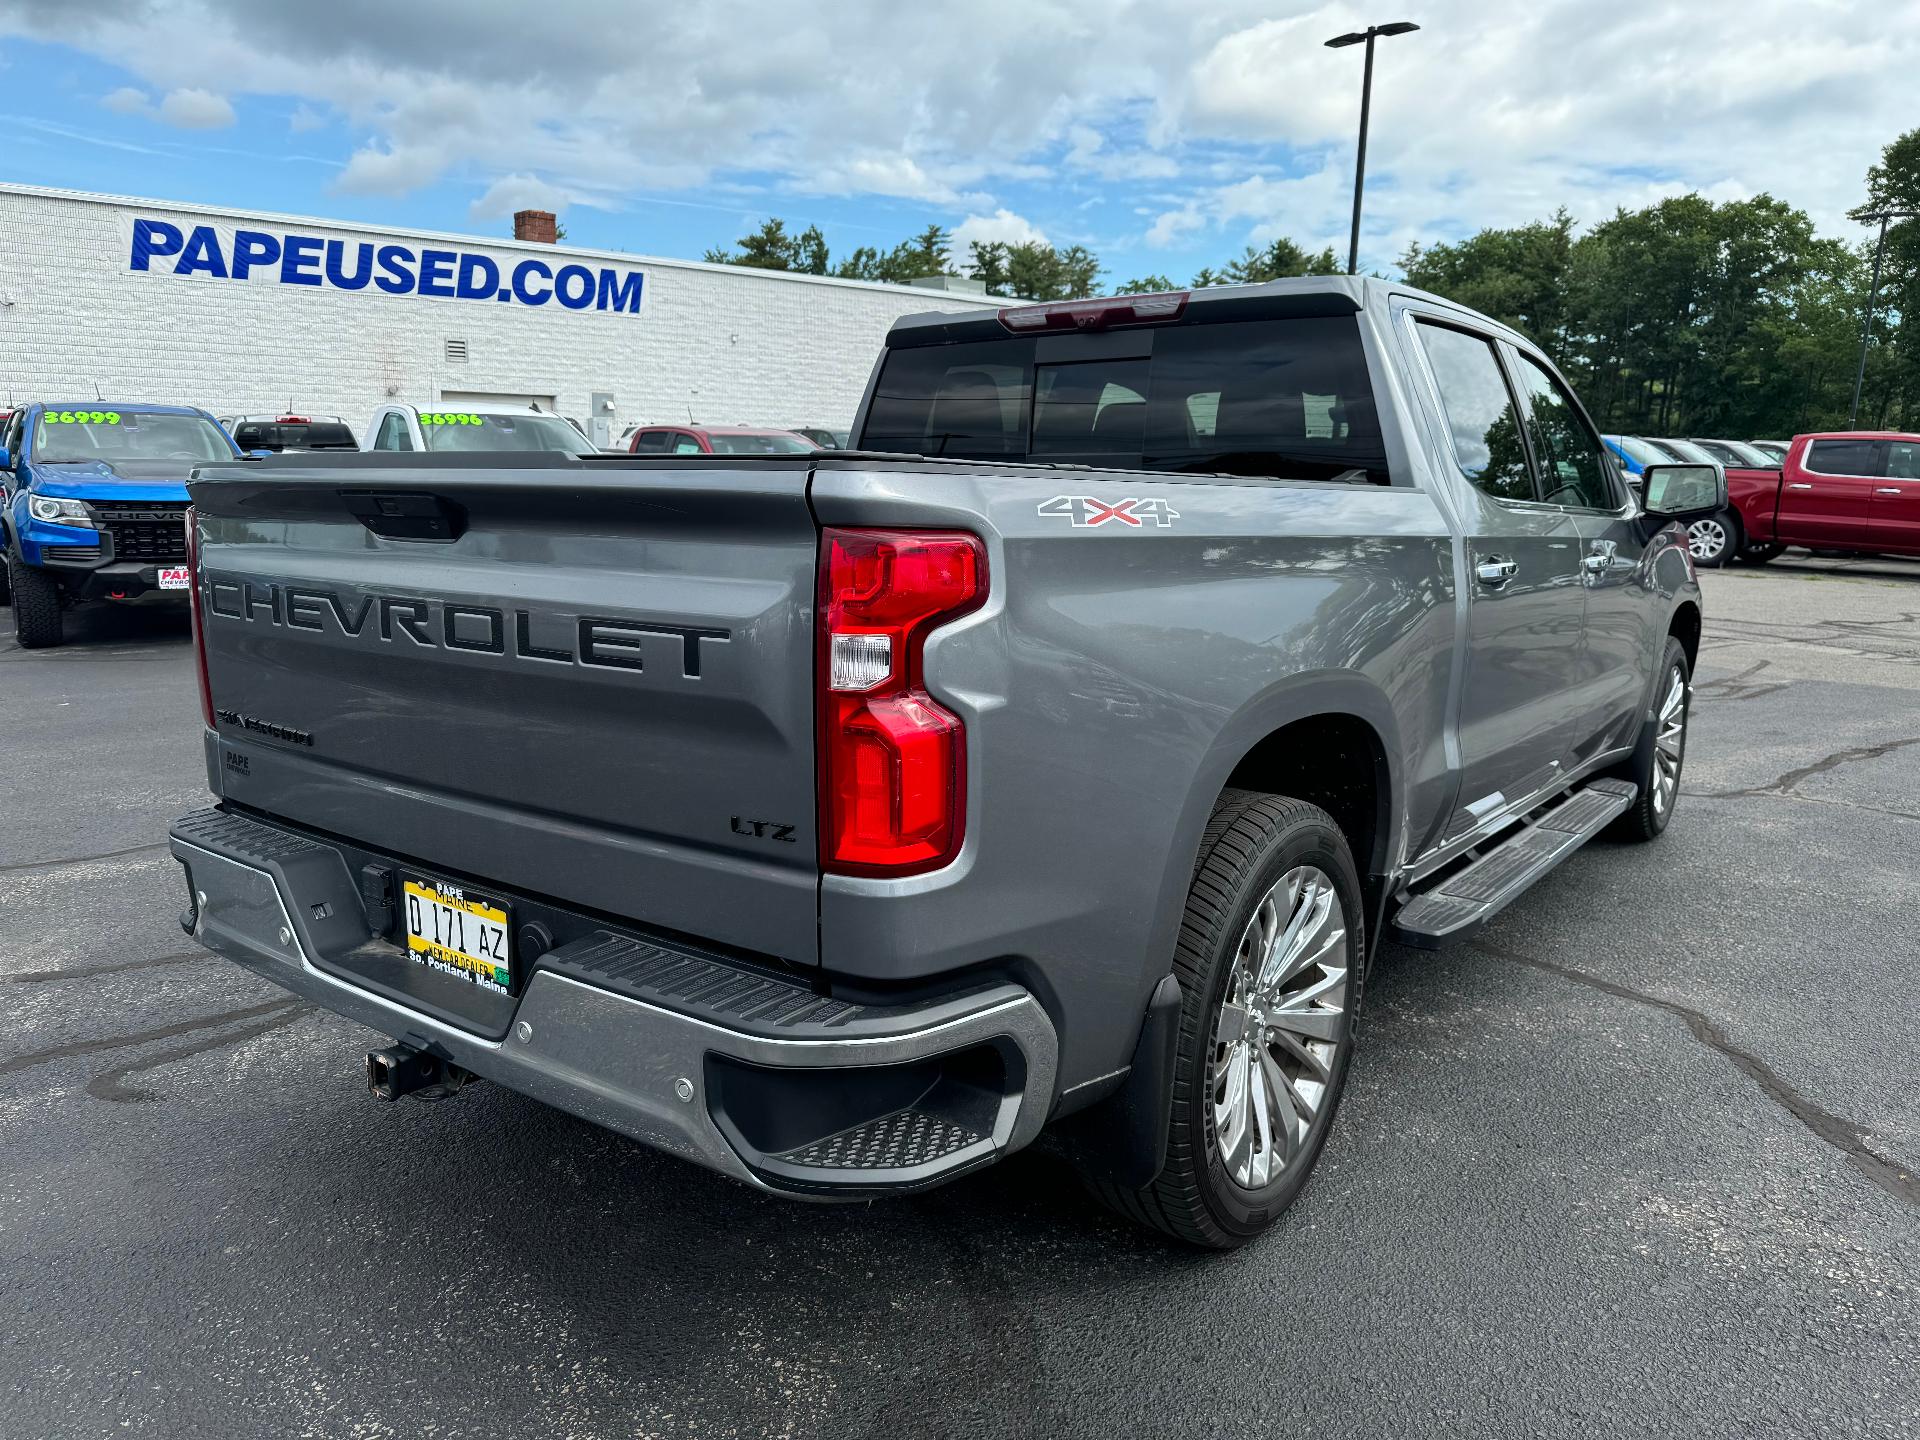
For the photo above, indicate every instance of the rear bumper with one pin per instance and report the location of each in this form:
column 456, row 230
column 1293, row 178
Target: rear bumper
column 751, row 1075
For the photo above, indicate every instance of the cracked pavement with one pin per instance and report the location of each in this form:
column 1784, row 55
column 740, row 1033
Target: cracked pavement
column 1639, row 1159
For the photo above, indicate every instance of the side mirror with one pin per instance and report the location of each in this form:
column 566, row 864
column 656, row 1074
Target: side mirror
column 1684, row 492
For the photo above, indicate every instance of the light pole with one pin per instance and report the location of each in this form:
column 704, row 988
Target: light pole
column 1340, row 42
column 1873, row 298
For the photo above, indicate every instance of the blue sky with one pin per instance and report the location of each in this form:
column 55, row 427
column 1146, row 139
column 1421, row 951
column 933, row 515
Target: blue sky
column 1163, row 135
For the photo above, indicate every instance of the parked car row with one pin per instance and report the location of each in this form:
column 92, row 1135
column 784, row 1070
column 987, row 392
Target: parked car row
column 692, row 439
column 1849, row 491
column 93, row 494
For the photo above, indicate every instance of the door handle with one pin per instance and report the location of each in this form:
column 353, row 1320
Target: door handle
column 1494, row 572
column 1889, row 490
column 1798, row 486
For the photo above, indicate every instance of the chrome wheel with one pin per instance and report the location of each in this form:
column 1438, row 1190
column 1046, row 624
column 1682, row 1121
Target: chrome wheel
column 1281, row 1024
column 1669, row 742
column 1707, row 540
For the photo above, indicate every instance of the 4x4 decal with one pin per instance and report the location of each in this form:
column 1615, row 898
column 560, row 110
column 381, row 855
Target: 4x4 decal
column 1086, row 512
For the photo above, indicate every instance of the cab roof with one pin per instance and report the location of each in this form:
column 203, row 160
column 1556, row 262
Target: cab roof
column 125, row 407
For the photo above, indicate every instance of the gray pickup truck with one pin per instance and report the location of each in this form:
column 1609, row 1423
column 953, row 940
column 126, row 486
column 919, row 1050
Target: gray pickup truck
column 1057, row 757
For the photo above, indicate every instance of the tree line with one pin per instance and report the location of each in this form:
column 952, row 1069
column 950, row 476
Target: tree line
column 1685, row 317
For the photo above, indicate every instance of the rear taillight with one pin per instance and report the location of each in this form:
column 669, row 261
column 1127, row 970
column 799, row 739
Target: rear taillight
column 892, row 758
column 199, row 622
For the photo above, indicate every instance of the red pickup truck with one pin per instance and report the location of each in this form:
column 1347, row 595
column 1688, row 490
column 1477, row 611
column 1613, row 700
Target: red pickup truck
column 1848, row 490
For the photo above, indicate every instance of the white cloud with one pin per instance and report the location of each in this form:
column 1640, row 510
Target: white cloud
column 128, row 101
column 189, row 108
column 1003, row 227
column 1172, row 226
column 196, row 109
column 398, row 171
column 519, row 192
column 1225, row 119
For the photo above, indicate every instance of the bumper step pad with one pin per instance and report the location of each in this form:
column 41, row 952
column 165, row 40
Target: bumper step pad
column 898, row 1141
column 1468, row 898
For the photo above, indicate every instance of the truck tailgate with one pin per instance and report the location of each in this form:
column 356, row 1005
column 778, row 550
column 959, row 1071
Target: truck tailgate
column 596, row 684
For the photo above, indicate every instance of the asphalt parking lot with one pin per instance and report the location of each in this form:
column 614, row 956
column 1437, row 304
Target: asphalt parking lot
column 1644, row 1158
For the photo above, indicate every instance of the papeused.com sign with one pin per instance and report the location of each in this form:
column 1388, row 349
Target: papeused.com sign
column 379, row 267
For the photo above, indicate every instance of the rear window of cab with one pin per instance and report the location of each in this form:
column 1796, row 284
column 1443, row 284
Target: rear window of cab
column 1284, row 398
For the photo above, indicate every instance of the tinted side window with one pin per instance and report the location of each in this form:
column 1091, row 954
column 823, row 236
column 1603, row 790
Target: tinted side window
column 966, row 400
column 1572, row 471
column 686, row 445
column 1480, row 413
column 652, row 442
column 1903, row 460
column 1841, row 457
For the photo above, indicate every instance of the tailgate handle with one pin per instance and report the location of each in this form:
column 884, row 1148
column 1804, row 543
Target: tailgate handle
column 406, row 514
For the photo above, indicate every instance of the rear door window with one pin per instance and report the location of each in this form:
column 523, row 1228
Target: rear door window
column 1903, row 460
column 1481, row 418
column 1286, row 398
column 1842, row 457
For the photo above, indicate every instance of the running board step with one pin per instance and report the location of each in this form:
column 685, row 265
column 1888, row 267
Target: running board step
column 1468, row 898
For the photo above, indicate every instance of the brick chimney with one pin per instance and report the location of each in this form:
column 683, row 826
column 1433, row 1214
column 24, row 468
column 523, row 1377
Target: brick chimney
column 535, row 225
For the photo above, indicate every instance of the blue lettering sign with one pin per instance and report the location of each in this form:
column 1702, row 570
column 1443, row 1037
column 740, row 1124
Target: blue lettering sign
column 522, row 292
column 202, row 254
column 619, row 292
column 396, row 263
column 436, row 273
column 251, row 248
column 574, row 286
column 392, row 269
column 153, row 239
column 479, row 277
column 337, row 271
column 298, row 256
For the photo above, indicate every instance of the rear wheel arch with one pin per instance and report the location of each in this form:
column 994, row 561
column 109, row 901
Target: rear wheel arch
column 1251, row 752
column 1684, row 626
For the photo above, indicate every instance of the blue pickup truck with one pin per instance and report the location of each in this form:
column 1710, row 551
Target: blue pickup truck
column 96, row 506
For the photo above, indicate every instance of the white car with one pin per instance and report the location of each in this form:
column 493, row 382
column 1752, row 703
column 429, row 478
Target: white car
column 473, row 428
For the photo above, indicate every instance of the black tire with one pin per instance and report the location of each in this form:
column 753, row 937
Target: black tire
column 1723, row 531
column 1650, row 814
column 1760, row 554
column 37, row 622
column 1252, row 843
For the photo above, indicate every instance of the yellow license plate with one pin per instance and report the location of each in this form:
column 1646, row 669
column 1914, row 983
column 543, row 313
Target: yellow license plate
column 457, row 931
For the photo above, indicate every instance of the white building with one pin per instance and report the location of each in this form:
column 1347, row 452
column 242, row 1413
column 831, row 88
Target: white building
column 240, row 312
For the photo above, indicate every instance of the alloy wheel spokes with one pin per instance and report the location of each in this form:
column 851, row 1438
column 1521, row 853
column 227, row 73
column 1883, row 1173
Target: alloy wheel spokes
column 1669, row 742
column 1280, row 1027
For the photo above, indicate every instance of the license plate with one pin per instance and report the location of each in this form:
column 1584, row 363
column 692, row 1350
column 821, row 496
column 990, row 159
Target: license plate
column 458, row 931
column 175, row 577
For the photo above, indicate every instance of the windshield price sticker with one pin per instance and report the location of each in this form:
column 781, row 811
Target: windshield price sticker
column 81, row 417
column 444, row 419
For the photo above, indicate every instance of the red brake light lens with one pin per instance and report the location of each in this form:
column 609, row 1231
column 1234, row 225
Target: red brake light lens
column 1156, row 309
column 892, row 758
column 199, row 621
